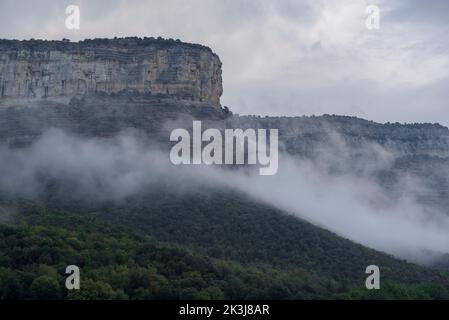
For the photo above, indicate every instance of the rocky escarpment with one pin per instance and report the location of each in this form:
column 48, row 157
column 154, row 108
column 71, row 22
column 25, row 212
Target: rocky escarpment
column 97, row 88
column 60, row 70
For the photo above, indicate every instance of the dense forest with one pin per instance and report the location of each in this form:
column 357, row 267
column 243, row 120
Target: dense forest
column 117, row 263
column 226, row 225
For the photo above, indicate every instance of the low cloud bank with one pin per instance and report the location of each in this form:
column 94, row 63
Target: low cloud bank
column 330, row 191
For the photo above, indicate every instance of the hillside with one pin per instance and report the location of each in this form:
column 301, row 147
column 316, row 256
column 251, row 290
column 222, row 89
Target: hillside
column 118, row 265
column 86, row 179
column 226, row 225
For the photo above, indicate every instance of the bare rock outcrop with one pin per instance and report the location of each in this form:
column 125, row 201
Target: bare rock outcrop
column 60, row 70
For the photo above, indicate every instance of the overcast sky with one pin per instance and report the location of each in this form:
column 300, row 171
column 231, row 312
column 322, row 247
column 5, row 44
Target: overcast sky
column 284, row 57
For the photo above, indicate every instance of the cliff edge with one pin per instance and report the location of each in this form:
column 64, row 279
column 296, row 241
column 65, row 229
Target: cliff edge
column 61, row 70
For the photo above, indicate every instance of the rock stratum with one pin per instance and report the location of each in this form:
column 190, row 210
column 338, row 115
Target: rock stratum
column 60, row 70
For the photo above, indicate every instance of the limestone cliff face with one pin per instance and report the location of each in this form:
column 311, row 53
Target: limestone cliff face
column 60, row 70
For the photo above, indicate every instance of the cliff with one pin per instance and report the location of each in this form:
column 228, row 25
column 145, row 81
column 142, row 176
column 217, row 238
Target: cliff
column 60, row 70
column 96, row 88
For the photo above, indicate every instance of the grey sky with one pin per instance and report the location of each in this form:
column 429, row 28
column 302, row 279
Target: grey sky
column 284, row 57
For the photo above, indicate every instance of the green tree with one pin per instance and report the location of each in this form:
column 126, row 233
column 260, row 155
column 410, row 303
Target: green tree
column 45, row 287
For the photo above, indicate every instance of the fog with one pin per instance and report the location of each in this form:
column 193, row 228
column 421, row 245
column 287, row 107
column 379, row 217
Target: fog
column 332, row 191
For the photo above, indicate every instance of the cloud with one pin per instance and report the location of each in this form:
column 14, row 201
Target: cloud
column 355, row 207
column 332, row 191
column 284, row 57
